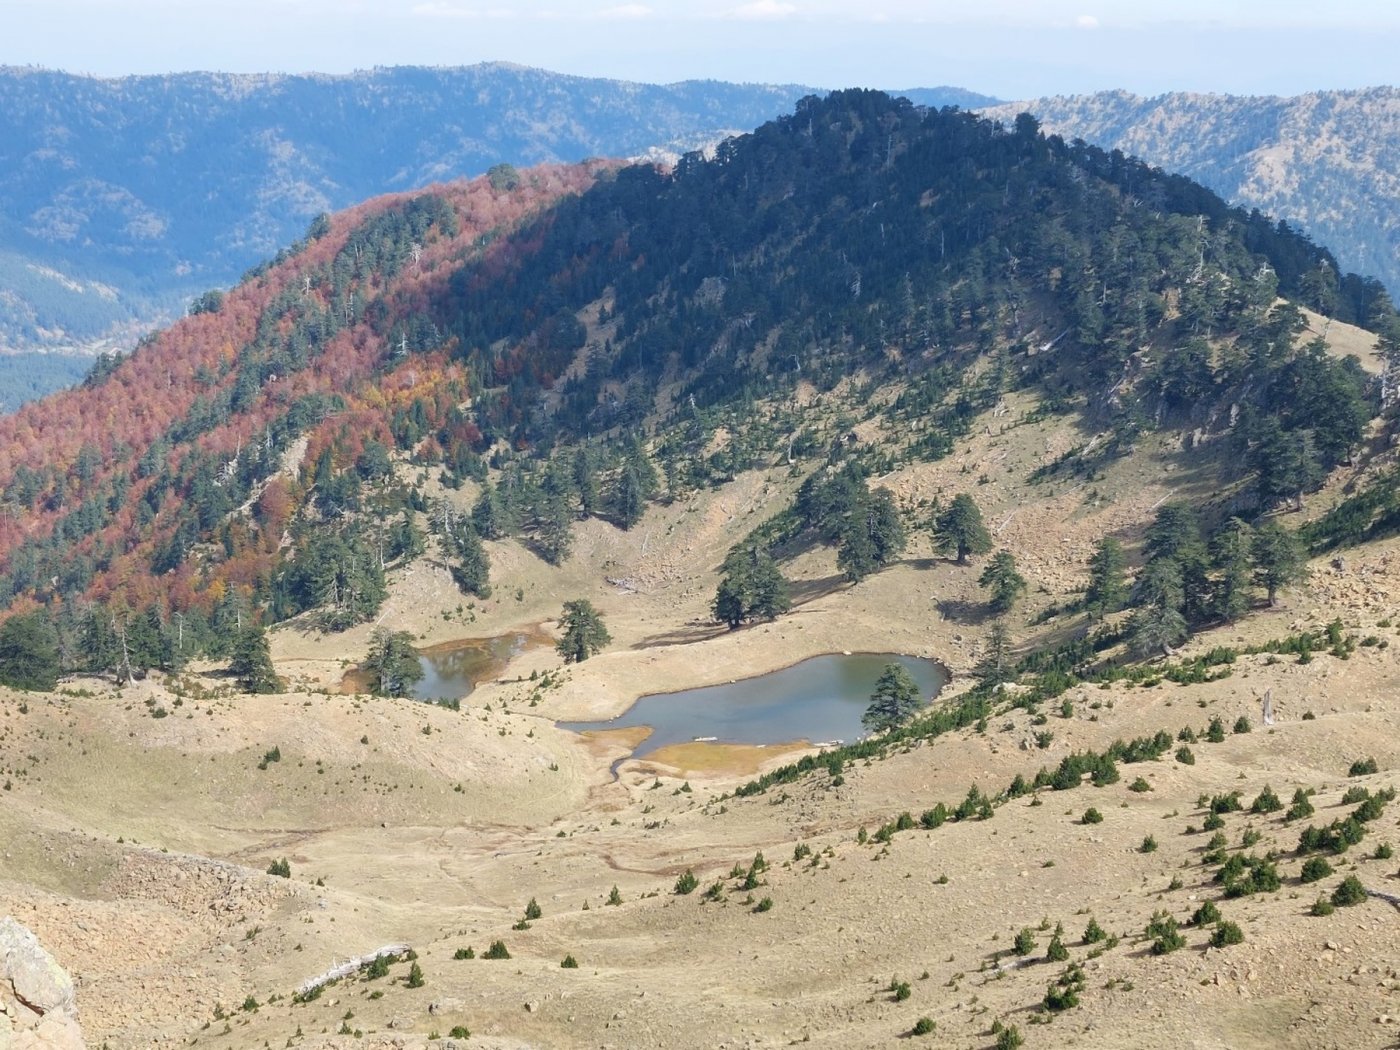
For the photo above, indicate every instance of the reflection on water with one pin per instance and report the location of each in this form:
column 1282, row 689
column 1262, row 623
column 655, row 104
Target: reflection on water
column 821, row 700
column 452, row 670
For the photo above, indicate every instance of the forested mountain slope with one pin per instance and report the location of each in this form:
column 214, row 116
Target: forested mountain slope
column 581, row 341
column 1326, row 161
column 120, row 198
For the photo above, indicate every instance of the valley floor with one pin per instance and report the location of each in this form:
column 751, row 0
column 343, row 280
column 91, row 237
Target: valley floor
column 136, row 846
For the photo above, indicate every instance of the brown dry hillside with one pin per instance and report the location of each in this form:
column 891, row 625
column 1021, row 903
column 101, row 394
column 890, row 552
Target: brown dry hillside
column 744, row 446
column 136, row 846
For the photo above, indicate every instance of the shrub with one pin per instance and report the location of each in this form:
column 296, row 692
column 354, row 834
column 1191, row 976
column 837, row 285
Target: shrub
column 932, row 818
column 900, row 991
column 1226, row 933
column 497, row 950
column 464, row 953
column 1215, row 849
column 460, row 1031
column 1215, row 732
column 1266, row 802
column 1213, row 822
column 614, row 897
column 1206, row 914
column 686, row 883
column 1229, row 803
column 1063, row 994
column 1322, row 907
column 532, row 910
column 280, row 868
column 764, row 905
column 1316, row 869
column 415, row 976
column 1369, row 810
column 1025, row 941
column 377, row 967
column 1348, row 892
column 1093, row 933
column 1091, row 816
column 1301, row 806
column 1185, row 756
column 1362, row 767
column 1139, row 785
column 1242, row 725
column 569, row 963
column 1383, row 851
column 1149, row 845
column 1057, row 951
column 923, row 1026
column 250, row 1004
column 1009, row 1038
column 1164, row 933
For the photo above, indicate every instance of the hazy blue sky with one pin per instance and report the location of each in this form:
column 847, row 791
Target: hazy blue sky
column 1010, row 48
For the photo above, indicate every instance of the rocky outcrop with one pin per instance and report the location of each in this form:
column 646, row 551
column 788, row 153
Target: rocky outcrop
column 38, row 1009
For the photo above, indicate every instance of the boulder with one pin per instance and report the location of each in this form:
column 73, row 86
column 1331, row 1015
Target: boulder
column 38, row 1008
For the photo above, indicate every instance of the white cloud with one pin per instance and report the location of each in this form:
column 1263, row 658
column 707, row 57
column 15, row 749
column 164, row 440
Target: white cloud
column 627, row 11
column 764, row 9
column 1087, row 22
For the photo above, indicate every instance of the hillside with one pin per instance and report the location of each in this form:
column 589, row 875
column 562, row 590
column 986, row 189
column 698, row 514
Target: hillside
column 120, row 199
column 1325, row 162
column 871, row 378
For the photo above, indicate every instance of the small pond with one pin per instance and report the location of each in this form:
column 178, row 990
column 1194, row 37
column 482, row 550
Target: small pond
column 819, row 700
column 452, row 669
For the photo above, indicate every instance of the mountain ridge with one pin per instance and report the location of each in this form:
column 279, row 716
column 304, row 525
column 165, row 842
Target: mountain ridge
column 1324, row 161
column 163, row 186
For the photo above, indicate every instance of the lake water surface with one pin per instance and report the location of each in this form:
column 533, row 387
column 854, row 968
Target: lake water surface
column 452, row 669
column 819, row 700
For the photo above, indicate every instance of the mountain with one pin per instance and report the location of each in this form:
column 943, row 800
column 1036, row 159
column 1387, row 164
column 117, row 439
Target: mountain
column 872, row 379
column 122, row 198
column 1326, row 162
column 485, row 325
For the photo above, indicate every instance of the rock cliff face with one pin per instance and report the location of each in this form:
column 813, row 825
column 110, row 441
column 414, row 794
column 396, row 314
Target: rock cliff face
column 38, row 1008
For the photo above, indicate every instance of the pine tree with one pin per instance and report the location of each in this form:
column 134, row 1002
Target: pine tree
column 251, row 661
column 895, row 698
column 1232, row 549
column 392, row 662
column 997, row 662
column 585, row 481
column 490, row 516
column 960, row 529
column 752, row 587
column 1108, row 588
column 1175, row 536
column 583, row 631
column 1156, row 629
column 472, row 572
column 29, row 652
column 1278, row 559
column 554, row 530
column 1002, row 579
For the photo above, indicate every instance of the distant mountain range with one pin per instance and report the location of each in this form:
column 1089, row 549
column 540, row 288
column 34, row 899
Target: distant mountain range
column 120, row 199
column 1328, row 162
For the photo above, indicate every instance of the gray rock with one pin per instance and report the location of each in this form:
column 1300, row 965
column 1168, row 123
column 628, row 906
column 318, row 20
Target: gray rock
column 38, row 1009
